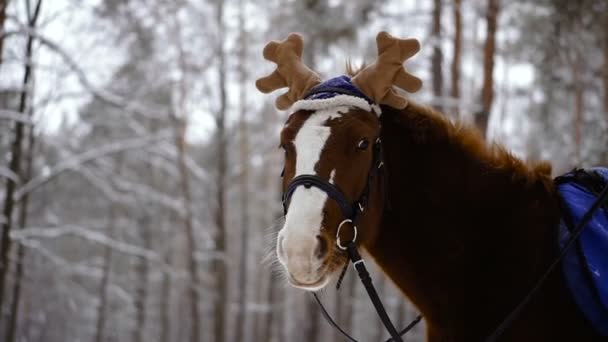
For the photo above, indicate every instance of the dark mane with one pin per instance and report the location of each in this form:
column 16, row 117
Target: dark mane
column 432, row 125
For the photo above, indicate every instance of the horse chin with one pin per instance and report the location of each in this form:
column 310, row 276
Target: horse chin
column 311, row 286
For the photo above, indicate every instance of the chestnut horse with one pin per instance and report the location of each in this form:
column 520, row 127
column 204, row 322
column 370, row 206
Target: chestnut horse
column 463, row 228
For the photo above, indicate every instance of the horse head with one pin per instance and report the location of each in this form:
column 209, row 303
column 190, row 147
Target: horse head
column 333, row 154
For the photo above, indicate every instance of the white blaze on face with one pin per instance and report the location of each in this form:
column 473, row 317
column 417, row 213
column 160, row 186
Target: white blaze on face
column 303, row 221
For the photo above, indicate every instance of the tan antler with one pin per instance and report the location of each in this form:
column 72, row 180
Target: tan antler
column 376, row 80
column 291, row 72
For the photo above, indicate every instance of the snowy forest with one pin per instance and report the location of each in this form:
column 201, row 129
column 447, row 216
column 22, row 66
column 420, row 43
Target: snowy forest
column 139, row 168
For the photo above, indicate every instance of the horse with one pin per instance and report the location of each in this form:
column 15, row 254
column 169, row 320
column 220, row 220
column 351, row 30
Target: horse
column 462, row 227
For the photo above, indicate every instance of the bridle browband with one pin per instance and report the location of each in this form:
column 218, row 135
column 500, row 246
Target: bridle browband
column 351, row 212
column 331, row 190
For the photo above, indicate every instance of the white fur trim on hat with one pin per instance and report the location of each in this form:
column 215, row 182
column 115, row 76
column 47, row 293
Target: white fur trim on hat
column 338, row 100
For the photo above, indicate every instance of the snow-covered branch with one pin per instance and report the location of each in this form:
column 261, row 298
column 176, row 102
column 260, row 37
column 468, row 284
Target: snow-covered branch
column 88, row 156
column 16, row 116
column 101, row 94
column 85, row 233
column 8, row 173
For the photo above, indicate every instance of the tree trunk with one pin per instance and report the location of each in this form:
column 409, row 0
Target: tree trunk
column 487, row 90
column 16, row 296
column 105, row 280
column 141, row 291
column 455, row 68
column 605, row 68
column 266, row 334
column 15, row 161
column 219, row 262
column 3, row 5
column 243, row 179
column 605, row 82
column 344, row 305
column 190, row 235
column 437, row 58
column 579, row 108
column 380, row 329
column 349, row 317
column 165, row 298
column 312, row 331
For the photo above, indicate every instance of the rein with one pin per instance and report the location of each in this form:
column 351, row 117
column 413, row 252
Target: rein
column 351, row 213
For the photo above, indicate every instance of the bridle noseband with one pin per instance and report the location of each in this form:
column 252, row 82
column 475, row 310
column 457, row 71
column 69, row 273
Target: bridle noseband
column 308, row 181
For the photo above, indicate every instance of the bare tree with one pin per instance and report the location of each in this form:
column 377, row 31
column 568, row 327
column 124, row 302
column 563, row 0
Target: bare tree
column 16, row 154
column 165, row 300
column 105, row 279
column 380, row 329
column 20, row 259
column 3, row 5
column 605, row 71
column 487, row 90
column 437, row 59
column 141, row 285
column 455, row 68
column 180, row 142
column 312, row 332
column 576, row 65
column 219, row 263
column 244, row 175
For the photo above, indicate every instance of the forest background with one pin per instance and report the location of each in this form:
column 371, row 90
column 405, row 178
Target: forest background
column 139, row 168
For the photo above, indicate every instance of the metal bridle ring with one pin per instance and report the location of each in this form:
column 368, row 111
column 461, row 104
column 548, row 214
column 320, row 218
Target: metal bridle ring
column 338, row 243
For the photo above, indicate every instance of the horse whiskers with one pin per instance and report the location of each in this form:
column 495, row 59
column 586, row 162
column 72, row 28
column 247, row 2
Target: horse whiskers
column 270, row 258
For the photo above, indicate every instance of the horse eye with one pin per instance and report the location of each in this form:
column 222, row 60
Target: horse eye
column 363, row 144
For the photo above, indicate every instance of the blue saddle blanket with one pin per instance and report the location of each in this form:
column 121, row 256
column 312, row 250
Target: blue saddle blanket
column 585, row 266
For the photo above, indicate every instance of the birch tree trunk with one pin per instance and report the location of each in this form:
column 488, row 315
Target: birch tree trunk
column 487, row 90
column 455, row 68
column 16, row 156
column 219, row 262
column 244, row 176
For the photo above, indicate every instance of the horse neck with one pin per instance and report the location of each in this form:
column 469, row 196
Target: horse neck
column 466, row 222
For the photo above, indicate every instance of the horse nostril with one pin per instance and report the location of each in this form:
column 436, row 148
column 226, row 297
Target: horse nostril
column 321, row 249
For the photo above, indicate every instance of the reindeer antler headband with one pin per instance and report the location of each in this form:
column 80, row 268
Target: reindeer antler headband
column 375, row 81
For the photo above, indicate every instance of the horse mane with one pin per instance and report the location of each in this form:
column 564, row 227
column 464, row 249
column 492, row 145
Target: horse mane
column 432, row 126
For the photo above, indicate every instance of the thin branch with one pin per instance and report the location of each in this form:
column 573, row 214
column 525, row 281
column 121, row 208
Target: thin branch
column 88, row 156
